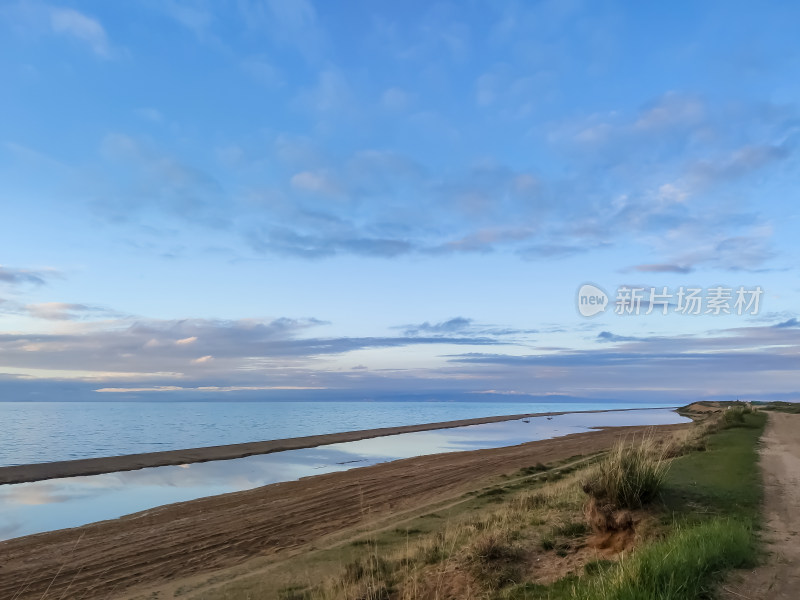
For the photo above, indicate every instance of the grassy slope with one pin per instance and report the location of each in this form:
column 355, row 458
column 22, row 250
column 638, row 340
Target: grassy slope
column 434, row 533
column 787, row 407
column 711, row 506
column 708, row 515
column 725, row 480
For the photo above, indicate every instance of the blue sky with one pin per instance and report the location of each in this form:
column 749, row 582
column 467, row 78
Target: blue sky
column 263, row 198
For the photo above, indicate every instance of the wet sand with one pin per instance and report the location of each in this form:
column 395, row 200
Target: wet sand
column 132, row 462
column 141, row 554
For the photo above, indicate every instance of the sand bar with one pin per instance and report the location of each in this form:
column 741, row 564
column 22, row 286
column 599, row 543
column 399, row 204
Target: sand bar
column 131, row 462
column 131, row 557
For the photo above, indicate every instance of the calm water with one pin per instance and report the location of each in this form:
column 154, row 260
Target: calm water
column 28, row 508
column 50, row 431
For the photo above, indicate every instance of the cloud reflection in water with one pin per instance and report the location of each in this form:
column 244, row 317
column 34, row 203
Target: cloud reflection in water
column 28, row 508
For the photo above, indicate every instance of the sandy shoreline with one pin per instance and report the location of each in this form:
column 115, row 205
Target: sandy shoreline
column 153, row 553
column 132, row 462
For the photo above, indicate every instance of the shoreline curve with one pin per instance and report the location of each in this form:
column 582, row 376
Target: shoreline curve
column 132, row 462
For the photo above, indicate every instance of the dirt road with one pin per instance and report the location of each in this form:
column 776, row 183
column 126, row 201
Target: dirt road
column 121, row 558
column 779, row 578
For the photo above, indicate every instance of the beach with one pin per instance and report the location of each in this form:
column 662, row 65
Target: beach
column 152, row 554
column 307, row 300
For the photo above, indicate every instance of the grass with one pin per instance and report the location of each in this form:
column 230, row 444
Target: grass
column 702, row 517
column 692, row 440
column 709, row 502
column 571, row 529
column 685, row 565
column 735, row 414
column 494, row 559
column 708, row 499
column 786, row 407
column 487, row 539
column 630, row 476
column 722, row 481
column 533, row 469
column 558, row 538
column 294, row 592
column 711, row 505
column 593, row 567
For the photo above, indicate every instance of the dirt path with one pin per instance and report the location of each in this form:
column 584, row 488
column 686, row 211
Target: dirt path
column 121, row 558
column 779, row 578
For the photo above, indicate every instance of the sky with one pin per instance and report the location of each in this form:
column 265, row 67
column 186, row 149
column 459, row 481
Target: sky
column 286, row 199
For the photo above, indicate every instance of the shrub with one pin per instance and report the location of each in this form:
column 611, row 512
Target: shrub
column 548, row 542
column 734, row 415
column 494, row 560
column 491, row 547
column 630, row 476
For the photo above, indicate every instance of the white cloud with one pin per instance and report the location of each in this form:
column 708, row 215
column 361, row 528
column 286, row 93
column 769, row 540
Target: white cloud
column 231, row 155
column 150, row 114
column 331, row 94
column 315, row 181
column 293, row 15
column 485, row 89
column 60, row 311
column 671, row 110
column 206, row 388
column 15, row 276
column 193, row 17
column 292, row 24
column 67, row 21
column 262, row 71
column 395, row 99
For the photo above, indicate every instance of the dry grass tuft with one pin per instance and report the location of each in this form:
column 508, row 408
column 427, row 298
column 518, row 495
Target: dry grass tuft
column 630, row 476
column 494, row 560
column 684, row 442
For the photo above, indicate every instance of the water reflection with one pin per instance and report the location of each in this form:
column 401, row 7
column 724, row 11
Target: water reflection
column 28, row 508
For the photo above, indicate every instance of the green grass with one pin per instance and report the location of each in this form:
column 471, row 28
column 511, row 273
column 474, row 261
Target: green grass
column 735, row 414
column 573, row 529
column 786, row 407
column 685, row 565
column 724, row 480
column 599, row 565
column 495, row 494
column 537, row 591
column 710, row 502
column 533, row 469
